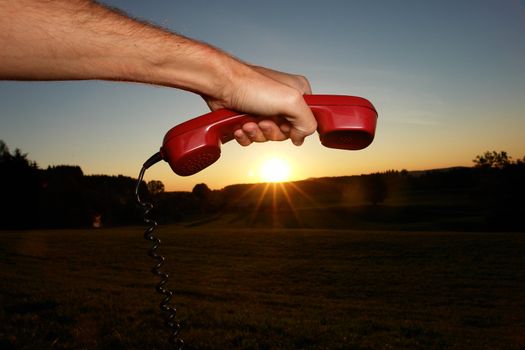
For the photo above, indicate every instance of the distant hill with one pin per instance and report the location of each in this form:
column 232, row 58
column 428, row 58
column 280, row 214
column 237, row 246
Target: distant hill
column 480, row 198
column 456, row 198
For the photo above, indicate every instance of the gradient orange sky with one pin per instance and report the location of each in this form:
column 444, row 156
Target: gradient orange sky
column 447, row 79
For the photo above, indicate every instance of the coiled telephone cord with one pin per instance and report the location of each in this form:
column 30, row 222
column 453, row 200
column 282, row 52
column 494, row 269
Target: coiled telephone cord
column 168, row 310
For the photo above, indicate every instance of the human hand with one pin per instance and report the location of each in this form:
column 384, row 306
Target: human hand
column 274, row 95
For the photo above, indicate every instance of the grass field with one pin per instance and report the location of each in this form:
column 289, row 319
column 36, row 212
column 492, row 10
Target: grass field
column 264, row 289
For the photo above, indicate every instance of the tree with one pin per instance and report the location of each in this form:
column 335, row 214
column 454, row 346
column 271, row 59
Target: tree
column 155, row 187
column 205, row 198
column 17, row 159
column 4, row 152
column 493, row 160
column 201, row 191
column 19, row 186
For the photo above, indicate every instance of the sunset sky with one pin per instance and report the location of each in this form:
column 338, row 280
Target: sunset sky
column 447, row 78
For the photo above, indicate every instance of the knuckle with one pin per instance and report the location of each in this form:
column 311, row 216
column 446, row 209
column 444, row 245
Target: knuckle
column 303, row 82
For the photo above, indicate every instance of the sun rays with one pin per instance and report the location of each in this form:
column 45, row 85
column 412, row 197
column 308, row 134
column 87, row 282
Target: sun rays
column 274, row 204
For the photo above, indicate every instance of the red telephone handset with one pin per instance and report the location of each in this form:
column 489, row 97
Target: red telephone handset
column 344, row 122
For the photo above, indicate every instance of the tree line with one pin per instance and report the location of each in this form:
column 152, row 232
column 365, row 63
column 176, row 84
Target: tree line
column 62, row 196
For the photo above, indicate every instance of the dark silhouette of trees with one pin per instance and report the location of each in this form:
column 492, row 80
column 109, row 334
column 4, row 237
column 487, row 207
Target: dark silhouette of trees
column 488, row 196
column 208, row 201
column 18, row 188
column 201, row 191
column 500, row 190
column 4, row 151
column 113, row 198
column 155, row 187
column 60, row 196
column 496, row 160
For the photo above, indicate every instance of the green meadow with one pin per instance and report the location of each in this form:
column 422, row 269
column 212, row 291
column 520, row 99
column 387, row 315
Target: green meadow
column 264, row 289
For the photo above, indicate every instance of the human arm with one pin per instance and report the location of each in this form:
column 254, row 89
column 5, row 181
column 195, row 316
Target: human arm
column 80, row 39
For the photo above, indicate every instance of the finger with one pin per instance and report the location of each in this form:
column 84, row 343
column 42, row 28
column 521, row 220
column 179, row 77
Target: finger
column 297, row 137
column 285, row 128
column 241, row 138
column 271, row 131
column 253, row 131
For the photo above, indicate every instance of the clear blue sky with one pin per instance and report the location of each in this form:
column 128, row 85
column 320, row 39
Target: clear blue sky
column 447, row 78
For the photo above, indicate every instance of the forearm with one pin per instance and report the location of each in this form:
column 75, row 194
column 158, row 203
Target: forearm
column 78, row 39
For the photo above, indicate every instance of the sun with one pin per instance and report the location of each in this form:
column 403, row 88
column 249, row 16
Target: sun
column 274, row 170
